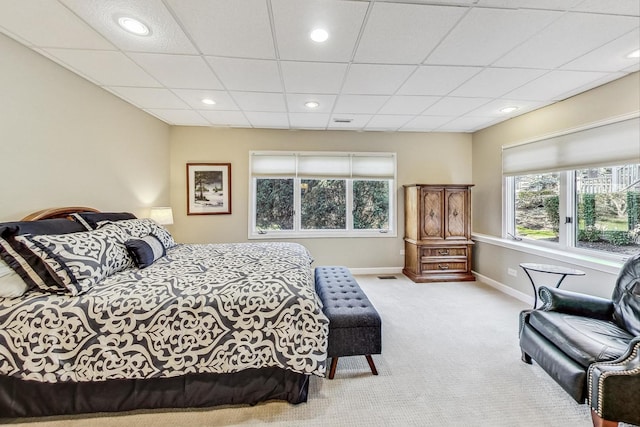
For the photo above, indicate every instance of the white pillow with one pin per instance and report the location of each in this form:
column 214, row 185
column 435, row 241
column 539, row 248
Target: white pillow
column 11, row 285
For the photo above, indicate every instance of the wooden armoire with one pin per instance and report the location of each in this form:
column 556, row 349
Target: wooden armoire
column 437, row 232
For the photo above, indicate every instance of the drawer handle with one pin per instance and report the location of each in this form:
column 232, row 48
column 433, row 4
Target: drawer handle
column 432, row 214
column 443, row 267
column 444, row 252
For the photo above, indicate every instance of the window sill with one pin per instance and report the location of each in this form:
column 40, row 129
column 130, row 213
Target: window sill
column 590, row 261
column 322, row 235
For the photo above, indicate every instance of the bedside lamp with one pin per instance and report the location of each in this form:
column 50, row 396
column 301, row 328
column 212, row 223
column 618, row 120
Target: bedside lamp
column 162, row 215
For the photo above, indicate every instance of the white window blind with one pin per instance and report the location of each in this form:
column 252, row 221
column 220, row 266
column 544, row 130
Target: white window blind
column 324, row 165
column 611, row 144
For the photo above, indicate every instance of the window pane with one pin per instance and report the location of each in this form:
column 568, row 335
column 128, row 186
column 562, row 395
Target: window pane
column 537, row 203
column 323, row 204
column 274, row 204
column 371, row 205
column 609, row 209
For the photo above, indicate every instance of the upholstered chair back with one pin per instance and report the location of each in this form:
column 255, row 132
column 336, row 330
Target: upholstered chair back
column 626, row 296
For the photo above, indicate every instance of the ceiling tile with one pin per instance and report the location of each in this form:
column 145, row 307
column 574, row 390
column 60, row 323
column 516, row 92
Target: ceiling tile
column 144, row 97
column 554, row 85
column 309, row 120
column 359, row 103
column 426, row 123
column 466, row 124
column 531, row 4
column 387, row 122
column 294, row 20
column 247, row 74
column 568, row 38
column 227, row 27
column 260, row 101
column 268, row 120
column 166, row 35
column 194, row 98
column 492, row 109
column 49, row 24
column 617, row 7
column 451, row 106
column 495, row 82
column 411, row 105
column 313, row 77
column 436, row 80
column 226, row 118
column 376, row 79
column 295, row 103
column 179, row 117
column 610, row 57
column 404, row 33
column 484, row 35
column 358, row 121
column 178, row 71
column 105, row 68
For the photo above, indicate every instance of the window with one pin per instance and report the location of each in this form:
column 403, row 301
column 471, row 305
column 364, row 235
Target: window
column 567, row 192
column 322, row 194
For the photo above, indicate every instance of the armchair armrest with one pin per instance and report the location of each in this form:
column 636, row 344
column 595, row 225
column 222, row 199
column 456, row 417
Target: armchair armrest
column 575, row 303
column 614, row 386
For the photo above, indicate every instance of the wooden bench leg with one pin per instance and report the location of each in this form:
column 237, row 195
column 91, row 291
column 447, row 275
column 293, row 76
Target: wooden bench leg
column 372, row 365
column 599, row 422
column 334, row 365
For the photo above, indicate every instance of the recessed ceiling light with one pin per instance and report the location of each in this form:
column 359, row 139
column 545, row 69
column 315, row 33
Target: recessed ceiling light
column 634, row 54
column 509, row 109
column 311, row 104
column 208, row 101
column 134, row 26
column 319, row 35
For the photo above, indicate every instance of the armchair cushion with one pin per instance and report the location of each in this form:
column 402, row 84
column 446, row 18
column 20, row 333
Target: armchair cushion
column 575, row 303
column 585, row 340
column 626, row 296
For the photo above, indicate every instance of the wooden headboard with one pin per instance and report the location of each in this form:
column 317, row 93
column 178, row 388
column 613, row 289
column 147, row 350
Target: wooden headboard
column 63, row 212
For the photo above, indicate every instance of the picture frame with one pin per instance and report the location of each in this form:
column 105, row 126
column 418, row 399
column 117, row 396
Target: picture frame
column 208, row 188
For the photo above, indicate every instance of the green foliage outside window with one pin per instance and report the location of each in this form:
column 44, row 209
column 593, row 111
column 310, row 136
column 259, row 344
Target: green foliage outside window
column 371, row 205
column 274, row 204
column 323, row 204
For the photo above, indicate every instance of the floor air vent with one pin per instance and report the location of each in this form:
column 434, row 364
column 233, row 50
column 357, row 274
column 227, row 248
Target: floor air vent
column 387, row 277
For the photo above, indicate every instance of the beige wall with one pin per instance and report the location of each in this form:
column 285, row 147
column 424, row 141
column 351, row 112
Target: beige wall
column 422, row 158
column 65, row 141
column 614, row 99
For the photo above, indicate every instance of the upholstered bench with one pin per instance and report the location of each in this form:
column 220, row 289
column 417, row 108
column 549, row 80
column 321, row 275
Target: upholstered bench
column 355, row 327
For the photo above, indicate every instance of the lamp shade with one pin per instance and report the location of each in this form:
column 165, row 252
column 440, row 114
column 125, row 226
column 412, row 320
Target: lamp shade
column 162, row 215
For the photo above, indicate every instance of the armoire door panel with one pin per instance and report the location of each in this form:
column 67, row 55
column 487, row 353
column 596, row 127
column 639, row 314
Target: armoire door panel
column 456, row 218
column 432, row 214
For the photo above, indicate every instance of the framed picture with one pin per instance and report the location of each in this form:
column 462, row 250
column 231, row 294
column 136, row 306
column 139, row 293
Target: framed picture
column 208, row 188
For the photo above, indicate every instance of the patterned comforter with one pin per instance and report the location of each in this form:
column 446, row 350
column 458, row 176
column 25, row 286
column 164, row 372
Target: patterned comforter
column 215, row 308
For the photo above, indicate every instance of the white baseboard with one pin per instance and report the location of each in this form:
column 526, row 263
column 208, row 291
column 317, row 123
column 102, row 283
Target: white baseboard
column 376, row 270
column 504, row 288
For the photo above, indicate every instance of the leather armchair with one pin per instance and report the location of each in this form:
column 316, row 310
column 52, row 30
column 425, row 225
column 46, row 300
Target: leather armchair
column 591, row 345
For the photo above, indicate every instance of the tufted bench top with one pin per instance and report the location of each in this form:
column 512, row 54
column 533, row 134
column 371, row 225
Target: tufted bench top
column 345, row 304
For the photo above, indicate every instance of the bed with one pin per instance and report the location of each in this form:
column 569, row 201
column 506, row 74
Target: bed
column 199, row 325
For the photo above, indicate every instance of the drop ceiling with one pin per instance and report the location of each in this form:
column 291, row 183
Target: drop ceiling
column 416, row 66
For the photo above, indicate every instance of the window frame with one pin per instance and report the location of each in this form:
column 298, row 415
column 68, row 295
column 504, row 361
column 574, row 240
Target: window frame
column 298, row 232
column 568, row 209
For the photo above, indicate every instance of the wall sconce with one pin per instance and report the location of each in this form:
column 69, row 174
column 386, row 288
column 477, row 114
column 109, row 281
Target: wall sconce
column 162, row 215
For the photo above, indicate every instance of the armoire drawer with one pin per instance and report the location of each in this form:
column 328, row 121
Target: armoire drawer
column 444, row 251
column 445, row 266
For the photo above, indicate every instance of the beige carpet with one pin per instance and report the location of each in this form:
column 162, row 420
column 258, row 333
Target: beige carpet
column 450, row 358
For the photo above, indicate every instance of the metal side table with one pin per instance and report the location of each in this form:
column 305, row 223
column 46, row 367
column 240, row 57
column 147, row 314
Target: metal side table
column 548, row 269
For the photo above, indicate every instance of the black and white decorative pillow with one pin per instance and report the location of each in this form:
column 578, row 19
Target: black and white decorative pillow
column 143, row 227
column 90, row 220
column 80, row 260
column 146, row 250
column 11, row 285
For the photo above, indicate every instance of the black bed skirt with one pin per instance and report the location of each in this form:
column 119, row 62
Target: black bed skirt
column 20, row 398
